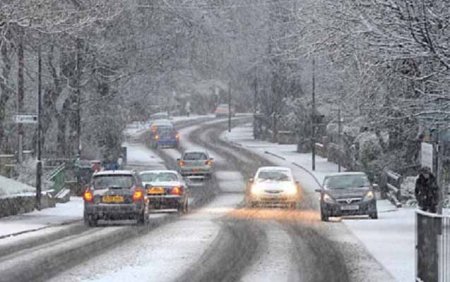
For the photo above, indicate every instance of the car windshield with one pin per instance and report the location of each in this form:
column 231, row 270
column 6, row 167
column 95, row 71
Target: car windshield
column 346, row 181
column 274, row 175
column 116, row 181
column 193, row 156
column 159, row 177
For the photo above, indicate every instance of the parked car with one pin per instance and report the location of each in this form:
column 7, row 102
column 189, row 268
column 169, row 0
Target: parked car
column 115, row 195
column 347, row 193
column 166, row 189
column 196, row 164
column 273, row 186
column 223, row 110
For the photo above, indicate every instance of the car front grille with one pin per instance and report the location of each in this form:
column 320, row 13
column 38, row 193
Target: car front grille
column 349, row 201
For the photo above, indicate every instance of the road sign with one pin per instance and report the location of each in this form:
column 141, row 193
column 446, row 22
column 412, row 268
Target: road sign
column 25, row 118
column 426, row 155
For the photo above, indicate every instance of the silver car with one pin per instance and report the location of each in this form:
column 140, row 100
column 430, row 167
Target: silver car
column 165, row 189
column 273, row 186
column 196, row 164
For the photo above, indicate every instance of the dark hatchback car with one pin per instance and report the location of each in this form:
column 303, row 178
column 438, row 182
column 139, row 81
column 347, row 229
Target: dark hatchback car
column 166, row 137
column 115, row 195
column 347, row 193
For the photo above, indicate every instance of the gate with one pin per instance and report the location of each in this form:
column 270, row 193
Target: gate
column 432, row 247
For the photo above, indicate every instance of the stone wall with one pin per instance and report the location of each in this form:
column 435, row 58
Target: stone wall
column 23, row 203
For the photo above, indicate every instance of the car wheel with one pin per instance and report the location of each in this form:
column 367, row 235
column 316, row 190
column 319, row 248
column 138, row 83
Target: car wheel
column 324, row 216
column 142, row 218
column 373, row 215
column 90, row 221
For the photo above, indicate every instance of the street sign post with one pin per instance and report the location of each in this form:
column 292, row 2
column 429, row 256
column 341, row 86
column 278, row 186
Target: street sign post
column 31, row 119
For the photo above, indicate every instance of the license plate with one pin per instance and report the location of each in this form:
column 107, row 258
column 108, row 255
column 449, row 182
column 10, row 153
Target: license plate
column 155, row 191
column 350, row 207
column 112, row 199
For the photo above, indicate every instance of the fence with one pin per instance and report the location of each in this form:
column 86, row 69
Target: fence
column 393, row 182
column 432, row 247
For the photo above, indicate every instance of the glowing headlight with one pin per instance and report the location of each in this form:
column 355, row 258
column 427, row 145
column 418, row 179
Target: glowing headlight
column 291, row 189
column 255, row 190
column 369, row 196
column 327, row 199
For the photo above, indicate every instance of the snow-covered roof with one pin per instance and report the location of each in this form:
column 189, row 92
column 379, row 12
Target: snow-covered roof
column 158, row 171
column 346, row 173
column 113, row 172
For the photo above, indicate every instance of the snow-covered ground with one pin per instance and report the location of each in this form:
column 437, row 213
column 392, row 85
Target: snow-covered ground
column 390, row 239
column 9, row 187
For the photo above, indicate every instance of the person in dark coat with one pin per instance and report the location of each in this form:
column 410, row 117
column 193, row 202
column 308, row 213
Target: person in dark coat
column 427, row 191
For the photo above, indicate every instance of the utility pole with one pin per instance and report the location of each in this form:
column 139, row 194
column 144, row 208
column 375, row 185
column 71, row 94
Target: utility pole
column 313, row 113
column 229, row 107
column 340, row 137
column 39, row 135
column 20, row 94
column 440, row 172
column 78, row 85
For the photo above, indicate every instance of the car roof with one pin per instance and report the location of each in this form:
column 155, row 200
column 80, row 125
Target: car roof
column 264, row 168
column 114, row 172
column 346, row 173
column 199, row 150
column 162, row 122
column 158, row 171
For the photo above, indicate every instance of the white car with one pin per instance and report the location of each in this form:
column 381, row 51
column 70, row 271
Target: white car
column 165, row 189
column 273, row 186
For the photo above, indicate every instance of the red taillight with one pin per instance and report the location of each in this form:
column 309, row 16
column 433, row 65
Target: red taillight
column 176, row 191
column 181, row 163
column 138, row 195
column 88, row 196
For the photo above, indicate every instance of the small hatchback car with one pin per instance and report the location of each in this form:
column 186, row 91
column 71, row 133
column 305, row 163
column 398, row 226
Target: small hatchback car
column 347, row 193
column 195, row 164
column 273, row 186
column 165, row 189
column 114, row 195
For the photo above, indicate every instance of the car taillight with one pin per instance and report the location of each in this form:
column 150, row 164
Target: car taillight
column 181, row 163
column 176, row 191
column 88, row 196
column 208, row 162
column 138, row 195
column 156, row 137
column 177, row 136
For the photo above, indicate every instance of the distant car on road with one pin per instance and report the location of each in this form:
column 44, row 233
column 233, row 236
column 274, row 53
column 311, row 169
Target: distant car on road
column 165, row 189
column 165, row 137
column 114, row 195
column 273, row 186
column 160, row 115
column 160, row 123
column 347, row 193
column 223, row 110
column 196, row 164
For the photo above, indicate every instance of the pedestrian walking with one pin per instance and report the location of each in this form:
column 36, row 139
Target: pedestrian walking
column 427, row 190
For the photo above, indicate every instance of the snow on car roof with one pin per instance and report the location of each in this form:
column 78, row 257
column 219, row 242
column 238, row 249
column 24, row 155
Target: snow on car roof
column 273, row 168
column 113, row 172
column 158, row 171
column 346, row 173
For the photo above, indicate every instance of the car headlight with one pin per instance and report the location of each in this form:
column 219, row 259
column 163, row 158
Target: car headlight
column 255, row 190
column 328, row 199
column 291, row 189
column 369, row 196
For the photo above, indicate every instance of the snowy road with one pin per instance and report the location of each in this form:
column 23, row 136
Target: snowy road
column 220, row 240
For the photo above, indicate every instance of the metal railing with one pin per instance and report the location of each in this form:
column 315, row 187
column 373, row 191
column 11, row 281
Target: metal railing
column 393, row 182
column 432, row 247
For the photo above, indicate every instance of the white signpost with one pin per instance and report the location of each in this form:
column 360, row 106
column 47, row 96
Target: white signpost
column 26, row 119
column 426, row 155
